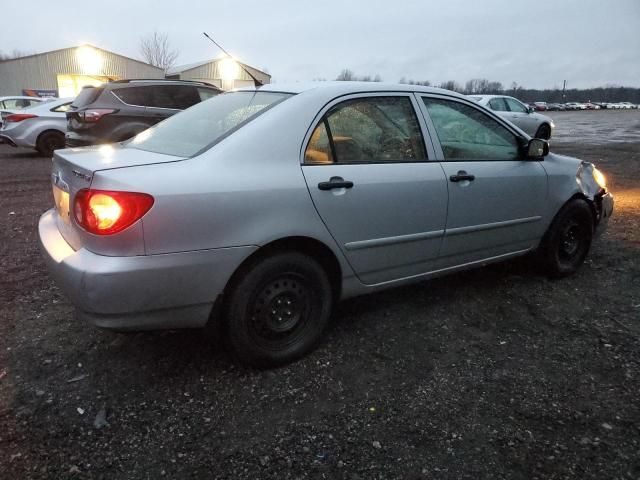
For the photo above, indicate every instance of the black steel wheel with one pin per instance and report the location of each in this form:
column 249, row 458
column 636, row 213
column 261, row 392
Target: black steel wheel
column 568, row 239
column 277, row 309
column 544, row 132
column 49, row 141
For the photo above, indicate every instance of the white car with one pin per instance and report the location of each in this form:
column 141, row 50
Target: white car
column 575, row 106
column 524, row 117
column 10, row 104
column 41, row 127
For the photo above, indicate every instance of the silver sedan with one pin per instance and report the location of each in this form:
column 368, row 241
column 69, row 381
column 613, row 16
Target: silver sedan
column 41, row 127
column 262, row 208
column 524, row 117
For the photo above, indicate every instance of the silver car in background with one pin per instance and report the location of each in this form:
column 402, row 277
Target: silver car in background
column 12, row 104
column 524, row 117
column 262, row 208
column 41, row 127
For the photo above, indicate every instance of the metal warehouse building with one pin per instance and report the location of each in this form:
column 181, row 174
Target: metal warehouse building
column 64, row 72
column 222, row 72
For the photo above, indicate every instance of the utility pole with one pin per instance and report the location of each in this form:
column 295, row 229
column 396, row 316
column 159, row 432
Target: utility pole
column 564, row 87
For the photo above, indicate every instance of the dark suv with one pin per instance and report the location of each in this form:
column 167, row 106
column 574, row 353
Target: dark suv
column 116, row 111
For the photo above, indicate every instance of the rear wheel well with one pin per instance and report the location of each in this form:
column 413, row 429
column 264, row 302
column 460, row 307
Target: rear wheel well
column 305, row 245
column 39, row 145
column 51, row 130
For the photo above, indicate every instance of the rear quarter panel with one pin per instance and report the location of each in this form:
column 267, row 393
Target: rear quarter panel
column 246, row 190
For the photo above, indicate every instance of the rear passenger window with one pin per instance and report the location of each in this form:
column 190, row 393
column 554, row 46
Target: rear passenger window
column 62, row 108
column 498, row 105
column 179, row 97
column 363, row 130
column 319, row 149
column 140, row 96
column 206, row 93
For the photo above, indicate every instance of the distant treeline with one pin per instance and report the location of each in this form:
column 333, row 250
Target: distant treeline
column 482, row 86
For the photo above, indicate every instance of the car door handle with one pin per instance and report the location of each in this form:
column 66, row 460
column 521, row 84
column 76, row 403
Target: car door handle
column 335, row 182
column 462, row 175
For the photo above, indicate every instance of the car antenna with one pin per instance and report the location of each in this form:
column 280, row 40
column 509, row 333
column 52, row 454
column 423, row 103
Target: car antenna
column 256, row 82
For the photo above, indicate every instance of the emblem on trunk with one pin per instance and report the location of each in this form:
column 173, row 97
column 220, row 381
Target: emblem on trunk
column 81, row 175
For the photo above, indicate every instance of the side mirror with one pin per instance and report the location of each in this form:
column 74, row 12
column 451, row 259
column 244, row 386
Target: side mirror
column 530, row 109
column 537, row 149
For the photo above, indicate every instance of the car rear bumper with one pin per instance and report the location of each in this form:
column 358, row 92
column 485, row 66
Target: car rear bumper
column 143, row 292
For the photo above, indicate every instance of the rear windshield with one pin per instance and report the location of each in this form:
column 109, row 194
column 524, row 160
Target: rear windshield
column 196, row 129
column 86, row 96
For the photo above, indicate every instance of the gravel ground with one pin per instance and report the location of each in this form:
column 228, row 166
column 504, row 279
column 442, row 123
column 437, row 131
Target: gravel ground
column 493, row 373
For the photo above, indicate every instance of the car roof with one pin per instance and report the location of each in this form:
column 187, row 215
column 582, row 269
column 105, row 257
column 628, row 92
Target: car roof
column 22, row 97
column 487, row 97
column 338, row 88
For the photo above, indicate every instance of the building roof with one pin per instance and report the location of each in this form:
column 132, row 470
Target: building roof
column 78, row 46
column 190, row 66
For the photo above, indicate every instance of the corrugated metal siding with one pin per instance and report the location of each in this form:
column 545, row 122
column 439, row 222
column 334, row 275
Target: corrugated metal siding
column 210, row 72
column 40, row 71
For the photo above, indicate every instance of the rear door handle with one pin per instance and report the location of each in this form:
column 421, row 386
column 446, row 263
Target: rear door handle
column 335, row 182
column 462, row 175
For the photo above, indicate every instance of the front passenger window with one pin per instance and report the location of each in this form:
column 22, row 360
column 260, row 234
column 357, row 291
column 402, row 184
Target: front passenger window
column 466, row 133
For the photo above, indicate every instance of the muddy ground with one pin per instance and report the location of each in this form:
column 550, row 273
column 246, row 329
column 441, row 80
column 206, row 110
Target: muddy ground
column 493, row 373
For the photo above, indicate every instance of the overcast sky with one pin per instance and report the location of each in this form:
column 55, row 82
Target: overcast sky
column 536, row 43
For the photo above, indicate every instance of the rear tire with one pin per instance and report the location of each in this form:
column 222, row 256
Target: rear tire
column 278, row 309
column 544, row 132
column 48, row 142
column 568, row 240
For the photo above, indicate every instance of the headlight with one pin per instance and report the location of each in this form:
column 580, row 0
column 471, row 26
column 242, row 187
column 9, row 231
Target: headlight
column 599, row 177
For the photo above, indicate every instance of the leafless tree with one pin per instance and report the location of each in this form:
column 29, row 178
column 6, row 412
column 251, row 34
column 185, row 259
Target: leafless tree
column 346, row 75
column 451, row 85
column 156, row 50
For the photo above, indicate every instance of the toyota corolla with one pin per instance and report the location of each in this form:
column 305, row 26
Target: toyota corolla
column 262, row 208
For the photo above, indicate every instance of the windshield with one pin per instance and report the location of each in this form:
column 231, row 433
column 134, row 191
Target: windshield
column 198, row 128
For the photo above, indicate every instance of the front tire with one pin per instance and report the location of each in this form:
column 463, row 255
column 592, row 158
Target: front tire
column 544, row 132
column 278, row 309
column 568, row 240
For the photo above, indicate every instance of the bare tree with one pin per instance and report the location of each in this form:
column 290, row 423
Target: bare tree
column 156, row 50
column 451, row 85
column 346, row 75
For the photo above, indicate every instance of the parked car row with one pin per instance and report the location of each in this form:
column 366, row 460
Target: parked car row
column 112, row 112
column 589, row 106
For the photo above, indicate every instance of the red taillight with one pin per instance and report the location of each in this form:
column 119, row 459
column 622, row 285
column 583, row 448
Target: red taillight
column 95, row 114
column 18, row 117
column 105, row 212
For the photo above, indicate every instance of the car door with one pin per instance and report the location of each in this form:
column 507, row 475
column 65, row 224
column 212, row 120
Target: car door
column 368, row 172
column 520, row 115
column 496, row 198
